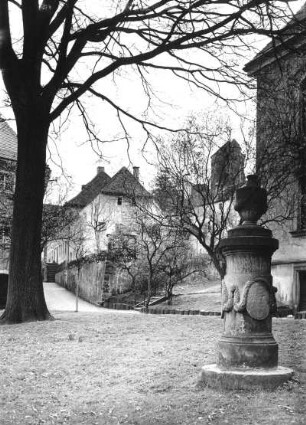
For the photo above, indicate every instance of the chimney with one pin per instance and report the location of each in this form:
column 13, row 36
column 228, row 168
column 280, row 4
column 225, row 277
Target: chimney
column 136, row 172
column 100, row 169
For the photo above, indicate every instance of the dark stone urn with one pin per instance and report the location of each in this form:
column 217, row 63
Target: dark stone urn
column 247, row 350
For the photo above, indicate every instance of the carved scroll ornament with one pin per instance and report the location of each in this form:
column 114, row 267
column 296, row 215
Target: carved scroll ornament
column 257, row 298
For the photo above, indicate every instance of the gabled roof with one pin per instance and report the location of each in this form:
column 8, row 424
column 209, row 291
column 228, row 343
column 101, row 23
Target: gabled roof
column 292, row 37
column 125, row 183
column 8, row 141
column 90, row 191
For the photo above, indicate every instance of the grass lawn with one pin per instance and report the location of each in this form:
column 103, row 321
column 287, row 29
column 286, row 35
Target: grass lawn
column 129, row 368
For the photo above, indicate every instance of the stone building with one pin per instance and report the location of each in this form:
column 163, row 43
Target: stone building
column 105, row 205
column 280, row 73
column 8, row 157
column 227, row 169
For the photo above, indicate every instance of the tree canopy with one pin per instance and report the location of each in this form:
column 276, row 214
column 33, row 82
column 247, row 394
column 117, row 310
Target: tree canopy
column 69, row 46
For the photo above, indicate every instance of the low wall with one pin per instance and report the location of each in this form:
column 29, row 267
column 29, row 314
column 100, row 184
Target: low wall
column 90, row 284
column 95, row 281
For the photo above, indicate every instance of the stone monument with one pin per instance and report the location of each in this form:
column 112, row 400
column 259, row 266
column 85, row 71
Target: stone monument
column 247, row 350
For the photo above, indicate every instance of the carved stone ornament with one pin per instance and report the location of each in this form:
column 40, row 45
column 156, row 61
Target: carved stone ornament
column 258, row 301
column 251, row 201
column 258, row 298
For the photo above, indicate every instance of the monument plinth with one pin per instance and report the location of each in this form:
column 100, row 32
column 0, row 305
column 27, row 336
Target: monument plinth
column 247, row 350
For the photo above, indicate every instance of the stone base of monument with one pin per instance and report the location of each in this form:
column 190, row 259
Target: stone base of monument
column 244, row 378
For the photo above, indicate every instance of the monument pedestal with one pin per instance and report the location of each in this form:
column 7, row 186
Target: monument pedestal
column 247, row 351
column 259, row 351
column 244, row 379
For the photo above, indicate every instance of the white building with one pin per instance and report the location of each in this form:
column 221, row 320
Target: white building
column 106, row 205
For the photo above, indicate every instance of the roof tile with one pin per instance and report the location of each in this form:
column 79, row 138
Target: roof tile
column 90, row 191
column 125, row 183
column 8, row 141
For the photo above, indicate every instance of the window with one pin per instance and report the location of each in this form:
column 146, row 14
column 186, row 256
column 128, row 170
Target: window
column 119, row 201
column 5, row 236
column 7, row 181
column 302, row 208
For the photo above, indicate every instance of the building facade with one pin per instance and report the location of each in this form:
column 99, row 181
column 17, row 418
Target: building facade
column 280, row 73
column 8, row 157
column 105, row 205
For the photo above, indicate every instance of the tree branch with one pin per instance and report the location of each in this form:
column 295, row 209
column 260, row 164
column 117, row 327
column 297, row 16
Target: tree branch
column 8, row 58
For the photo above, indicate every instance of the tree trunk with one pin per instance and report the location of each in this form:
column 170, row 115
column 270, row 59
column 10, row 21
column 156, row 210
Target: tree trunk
column 169, row 289
column 77, row 290
column 25, row 300
column 218, row 261
column 149, row 289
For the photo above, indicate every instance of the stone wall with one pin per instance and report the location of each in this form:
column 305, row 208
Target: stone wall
column 91, row 281
column 97, row 281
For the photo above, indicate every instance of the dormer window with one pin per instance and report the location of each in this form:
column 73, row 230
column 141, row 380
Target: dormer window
column 119, row 201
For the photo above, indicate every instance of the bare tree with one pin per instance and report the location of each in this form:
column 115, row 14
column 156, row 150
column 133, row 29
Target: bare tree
column 56, row 222
column 154, row 255
column 98, row 218
column 44, row 75
column 124, row 253
column 76, row 235
column 151, row 250
column 197, row 183
column 176, row 266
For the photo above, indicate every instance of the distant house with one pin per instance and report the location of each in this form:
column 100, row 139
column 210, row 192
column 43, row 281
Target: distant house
column 280, row 72
column 106, row 205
